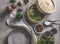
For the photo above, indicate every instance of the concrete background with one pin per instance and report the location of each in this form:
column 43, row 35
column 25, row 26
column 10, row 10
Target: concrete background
column 5, row 30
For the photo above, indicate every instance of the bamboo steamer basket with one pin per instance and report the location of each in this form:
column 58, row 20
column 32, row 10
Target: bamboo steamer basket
column 33, row 21
column 46, row 6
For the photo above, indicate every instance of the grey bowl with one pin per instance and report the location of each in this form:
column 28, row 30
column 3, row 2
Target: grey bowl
column 19, row 36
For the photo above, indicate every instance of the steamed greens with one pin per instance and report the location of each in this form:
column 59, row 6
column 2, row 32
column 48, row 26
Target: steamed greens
column 35, row 14
column 46, row 41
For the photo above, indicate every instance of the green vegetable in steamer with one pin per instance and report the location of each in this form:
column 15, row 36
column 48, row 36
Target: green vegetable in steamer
column 34, row 14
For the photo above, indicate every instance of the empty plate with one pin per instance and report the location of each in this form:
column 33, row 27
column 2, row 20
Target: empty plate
column 19, row 36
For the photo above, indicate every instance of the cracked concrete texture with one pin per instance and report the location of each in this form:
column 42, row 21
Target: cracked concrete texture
column 4, row 29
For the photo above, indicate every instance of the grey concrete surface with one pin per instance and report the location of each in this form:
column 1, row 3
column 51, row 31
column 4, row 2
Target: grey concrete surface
column 5, row 30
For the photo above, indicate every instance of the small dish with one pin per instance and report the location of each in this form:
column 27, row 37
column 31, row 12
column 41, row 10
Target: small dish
column 38, row 28
column 47, row 34
column 53, row 31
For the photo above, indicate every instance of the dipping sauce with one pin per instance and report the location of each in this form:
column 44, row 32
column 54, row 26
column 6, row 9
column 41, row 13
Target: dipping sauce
column 53, row 31
column 39, row 28
column 47, row 34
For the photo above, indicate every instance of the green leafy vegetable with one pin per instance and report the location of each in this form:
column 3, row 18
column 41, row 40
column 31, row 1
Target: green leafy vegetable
column 46, row 41
column 35, row 14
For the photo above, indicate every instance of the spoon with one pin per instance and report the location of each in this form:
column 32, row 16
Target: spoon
column 49, row 22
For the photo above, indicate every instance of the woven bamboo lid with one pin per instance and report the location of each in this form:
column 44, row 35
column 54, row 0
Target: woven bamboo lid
column 46, row 6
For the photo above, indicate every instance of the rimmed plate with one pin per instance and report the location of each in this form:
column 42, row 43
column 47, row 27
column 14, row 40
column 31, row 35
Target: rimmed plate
column 19, row 36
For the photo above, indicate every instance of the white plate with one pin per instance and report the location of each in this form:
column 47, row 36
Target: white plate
column 19, row 36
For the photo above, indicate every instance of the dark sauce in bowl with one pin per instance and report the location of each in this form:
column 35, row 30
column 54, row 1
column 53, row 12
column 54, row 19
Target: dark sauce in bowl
column 39, row 28
column 53, row 31
column 26, row 1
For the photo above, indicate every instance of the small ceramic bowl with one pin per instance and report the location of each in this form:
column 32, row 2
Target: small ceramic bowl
column 47, row 34
column 53, row 31
column 38, row 28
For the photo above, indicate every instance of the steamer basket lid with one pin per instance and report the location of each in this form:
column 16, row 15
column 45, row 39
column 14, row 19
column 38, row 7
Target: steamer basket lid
column 46, row 6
